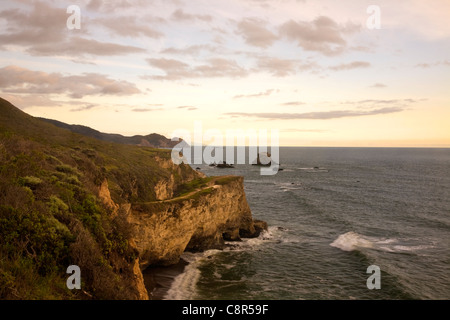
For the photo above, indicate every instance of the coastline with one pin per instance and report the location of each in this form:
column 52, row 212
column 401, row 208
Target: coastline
column 158, row 280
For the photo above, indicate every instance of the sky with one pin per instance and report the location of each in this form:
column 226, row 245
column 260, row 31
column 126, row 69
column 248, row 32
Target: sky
column 350, row 73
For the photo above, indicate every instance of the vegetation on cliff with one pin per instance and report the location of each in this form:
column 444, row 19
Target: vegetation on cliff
column 51, row 215
column 152, row 140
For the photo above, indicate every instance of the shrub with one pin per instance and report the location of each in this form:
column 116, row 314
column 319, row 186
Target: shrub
column 30, row 181
column 7, row 281
column 73, row 180
column 90, row 153
column 30, row 234
column 67, row 169
column 53, row 160
column 58, row 206
column 98, row 276
column 19, row 279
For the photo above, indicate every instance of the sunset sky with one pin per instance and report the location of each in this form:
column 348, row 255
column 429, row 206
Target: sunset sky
column 311, row 69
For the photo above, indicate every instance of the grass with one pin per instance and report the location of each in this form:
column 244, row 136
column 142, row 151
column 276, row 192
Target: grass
column 226, row 180
column 192, row 186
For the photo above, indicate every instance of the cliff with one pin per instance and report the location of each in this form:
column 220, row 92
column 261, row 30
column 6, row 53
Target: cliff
column 112, row 209
column 201, row 220
column 195, row 221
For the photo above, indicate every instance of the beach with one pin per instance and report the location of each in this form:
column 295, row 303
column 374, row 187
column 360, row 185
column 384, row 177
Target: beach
column 158, row 280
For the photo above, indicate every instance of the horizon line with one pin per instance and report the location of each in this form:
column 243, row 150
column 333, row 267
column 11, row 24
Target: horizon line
column 354, row 147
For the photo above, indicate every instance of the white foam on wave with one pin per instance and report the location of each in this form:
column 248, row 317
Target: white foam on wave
column 274, row 235
column 288, row 186
column 251, row 243
column 184, row 285
column 413, row 248
column 352, row 241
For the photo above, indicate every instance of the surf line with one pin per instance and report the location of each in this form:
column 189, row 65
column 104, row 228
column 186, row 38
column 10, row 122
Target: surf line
column 199, row 310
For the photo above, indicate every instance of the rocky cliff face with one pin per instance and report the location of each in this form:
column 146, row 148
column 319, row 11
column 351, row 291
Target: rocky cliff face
column 200, row 220
column 165, row 188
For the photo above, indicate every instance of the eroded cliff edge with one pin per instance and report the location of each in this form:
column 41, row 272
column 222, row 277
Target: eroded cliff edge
column 200, row 219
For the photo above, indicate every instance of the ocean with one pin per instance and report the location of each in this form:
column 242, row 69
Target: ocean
column 332, row 213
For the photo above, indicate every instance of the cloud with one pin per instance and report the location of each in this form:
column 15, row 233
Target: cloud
column 219, row 67
column 43, row 31
column 213, row 68
column 83, row 61
column 255, row 33
column 14, row 79
column 384, row 101
column 277, row 67
column 433, row 64
column 191, row 50
column 31, row 100
column 168, row 65
column 304, row 130
column 189, row 108
column 293, row 103
column 284, row 67
column 146, row 109
column 423, row 65
column 128, row 26
column 36, row 26
column 260, row 94
column 180, row 15
column 78, row 46
column 351, row 65
column 323, row 115
column 108, row 6
column 84, row 108
column 322, row 35
column 378, row 85
column 24, row 101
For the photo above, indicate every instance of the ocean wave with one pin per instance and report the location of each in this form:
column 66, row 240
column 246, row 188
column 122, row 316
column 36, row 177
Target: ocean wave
column 184, row 285
column 351, row 241
column 252, row 243
column 273, row 236
column 257, row 181
column 288, row 186
column 413, row 248
column 314, row 169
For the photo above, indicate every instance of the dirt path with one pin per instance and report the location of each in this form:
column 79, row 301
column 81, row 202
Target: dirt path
column 210, row 184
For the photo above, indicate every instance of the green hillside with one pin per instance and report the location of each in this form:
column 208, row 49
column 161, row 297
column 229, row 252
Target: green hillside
column 152, row 140
column 50, row 213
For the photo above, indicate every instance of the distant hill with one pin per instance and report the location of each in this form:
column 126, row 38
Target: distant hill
column 153, row 140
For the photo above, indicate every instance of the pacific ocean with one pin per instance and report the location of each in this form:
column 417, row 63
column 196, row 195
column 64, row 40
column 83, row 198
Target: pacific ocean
column 332, row 213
